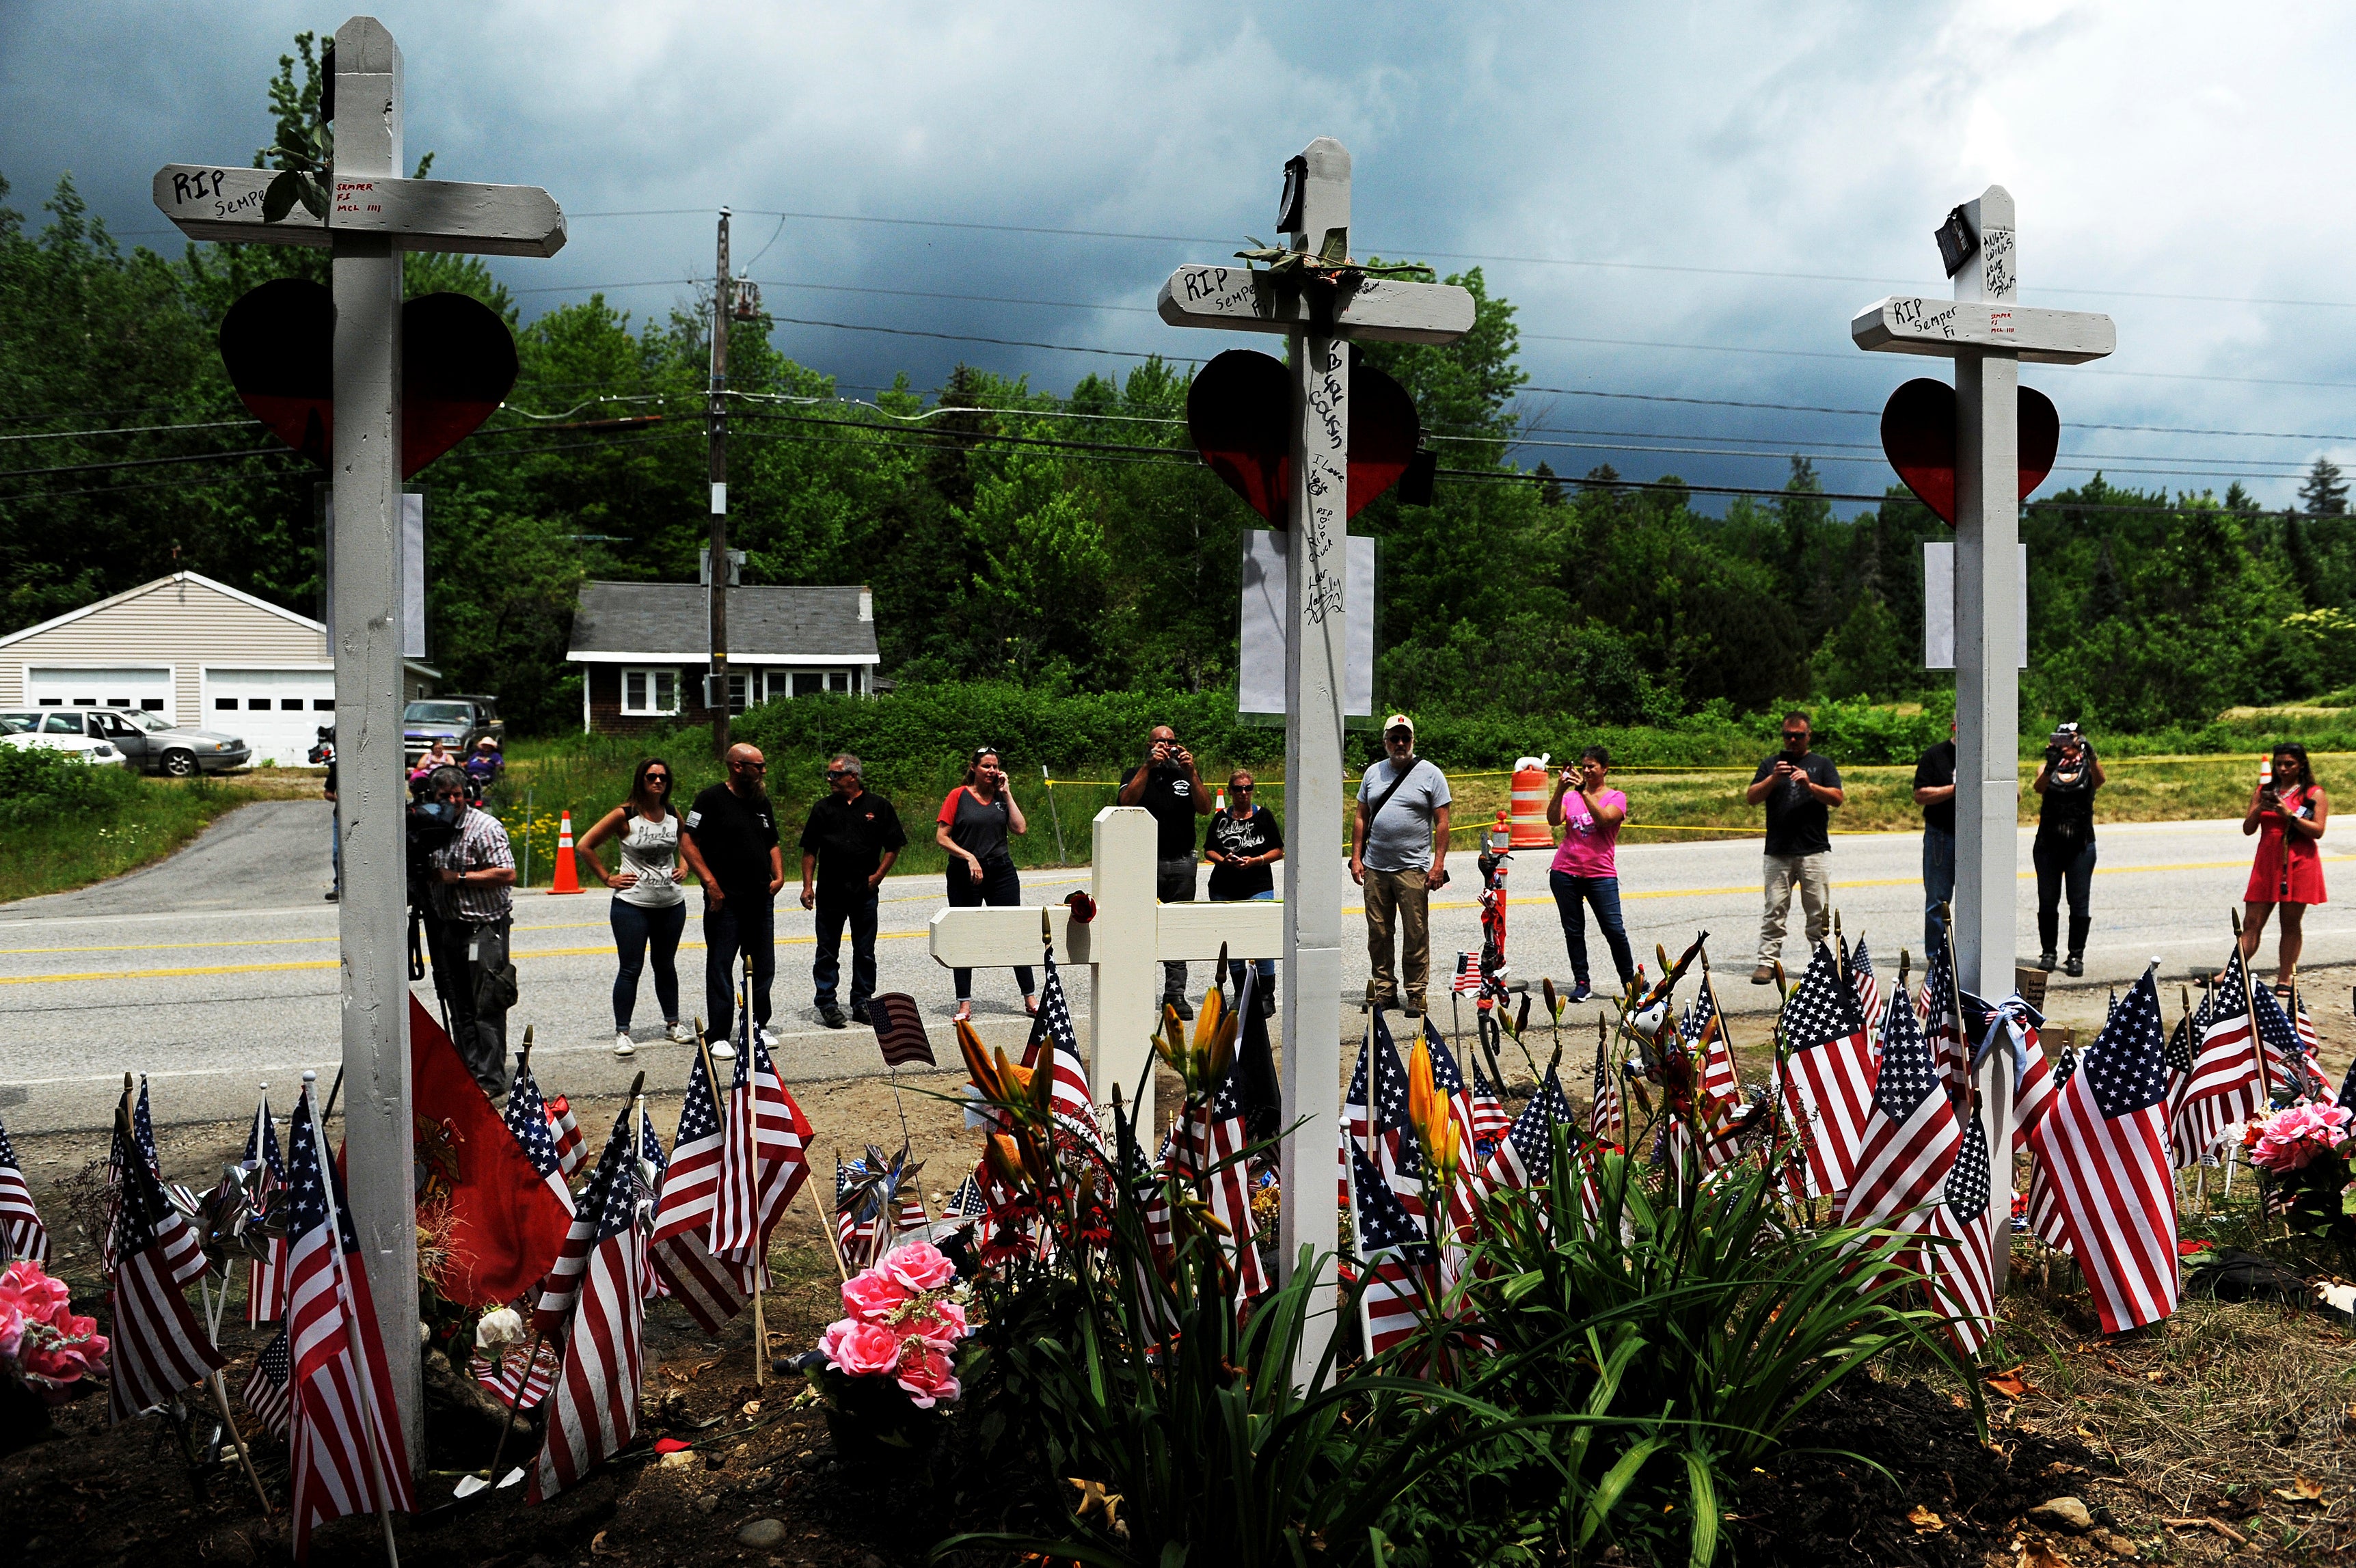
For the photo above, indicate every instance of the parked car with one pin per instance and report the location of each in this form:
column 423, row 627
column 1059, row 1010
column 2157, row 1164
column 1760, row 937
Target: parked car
column 461, row 720
column 154, row 746
column 47, row 729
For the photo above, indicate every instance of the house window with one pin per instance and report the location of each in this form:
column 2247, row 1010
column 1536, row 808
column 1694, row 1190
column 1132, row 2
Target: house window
column 776, row 683
column 225, row 705
column 318, row 704
column 649, row 692
column 737, row 688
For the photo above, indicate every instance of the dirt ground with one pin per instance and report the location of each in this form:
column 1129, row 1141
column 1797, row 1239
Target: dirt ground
column 2221, row 1435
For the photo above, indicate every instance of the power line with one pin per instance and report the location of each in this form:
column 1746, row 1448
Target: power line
column 1002, row 343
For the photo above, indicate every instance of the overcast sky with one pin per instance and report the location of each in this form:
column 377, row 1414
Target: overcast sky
column 1685, row 200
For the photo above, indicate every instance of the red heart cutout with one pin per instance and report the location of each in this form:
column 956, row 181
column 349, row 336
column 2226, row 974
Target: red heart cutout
column 1918, row 433
column 1239, row 411
column 459, row 364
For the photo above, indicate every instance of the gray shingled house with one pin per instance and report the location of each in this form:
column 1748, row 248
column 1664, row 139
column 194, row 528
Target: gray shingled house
column 644, row 648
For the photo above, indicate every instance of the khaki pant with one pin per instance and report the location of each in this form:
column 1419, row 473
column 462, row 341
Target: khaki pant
column 1398, row 899
column 1808, row 873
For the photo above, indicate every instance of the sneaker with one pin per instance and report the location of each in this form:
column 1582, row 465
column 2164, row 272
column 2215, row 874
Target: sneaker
column 622, row 1046
column 722, row 1051
column 1579, row 992
column 1184, row 1009
column 859, row 1013
column 679, row 1034
column 1763, row 975
column 831, row 1015
column 768, row 1037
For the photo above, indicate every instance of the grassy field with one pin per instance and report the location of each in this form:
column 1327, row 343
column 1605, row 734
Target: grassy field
column 136, row 820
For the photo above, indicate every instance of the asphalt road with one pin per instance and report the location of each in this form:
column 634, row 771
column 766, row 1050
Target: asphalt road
column 217, row 969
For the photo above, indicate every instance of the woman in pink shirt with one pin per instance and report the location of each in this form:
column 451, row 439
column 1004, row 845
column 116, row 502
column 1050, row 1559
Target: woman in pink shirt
column 1583, row 870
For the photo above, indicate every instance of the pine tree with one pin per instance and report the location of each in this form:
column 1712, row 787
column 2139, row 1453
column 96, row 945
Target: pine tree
column 2323, row 492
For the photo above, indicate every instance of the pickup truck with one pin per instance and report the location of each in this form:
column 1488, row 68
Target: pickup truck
column 461, row 720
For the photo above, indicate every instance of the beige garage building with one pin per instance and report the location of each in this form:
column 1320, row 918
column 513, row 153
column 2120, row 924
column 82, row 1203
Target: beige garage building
column 199, row 652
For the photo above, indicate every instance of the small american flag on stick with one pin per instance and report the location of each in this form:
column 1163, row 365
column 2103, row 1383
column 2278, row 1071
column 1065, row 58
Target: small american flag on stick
column 900, row 1029
column 22, row 1234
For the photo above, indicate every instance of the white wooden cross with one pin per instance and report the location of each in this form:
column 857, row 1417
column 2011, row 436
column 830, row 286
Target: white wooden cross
column 1988, row 333
column 373, row 215
column 1315, row 211
column 1123, row 946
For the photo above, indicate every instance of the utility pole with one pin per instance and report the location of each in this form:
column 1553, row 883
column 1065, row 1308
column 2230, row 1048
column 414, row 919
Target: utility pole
column 716, row 562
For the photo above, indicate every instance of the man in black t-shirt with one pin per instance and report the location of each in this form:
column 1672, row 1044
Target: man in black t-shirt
column 730, row 844
column 1799, row 788
column 848, row 847
column 1935, row 791
column 1167, row 785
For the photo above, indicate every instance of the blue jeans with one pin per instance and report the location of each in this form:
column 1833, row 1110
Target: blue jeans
column 1603, row 893
column 1267, row 966
column 728, row 929
column 1938, row 885
column 336, row 845
column 836, row 904
column 999, row 887
column 633, row 928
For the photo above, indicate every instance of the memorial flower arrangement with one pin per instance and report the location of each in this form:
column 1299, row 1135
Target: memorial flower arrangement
column 885, row 1369
column 2304, row 1150
column 43, row 1344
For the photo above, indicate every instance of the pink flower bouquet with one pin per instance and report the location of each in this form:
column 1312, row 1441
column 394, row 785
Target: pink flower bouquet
column 2298, row 1135
column 902, row 1325
column 42, row 1343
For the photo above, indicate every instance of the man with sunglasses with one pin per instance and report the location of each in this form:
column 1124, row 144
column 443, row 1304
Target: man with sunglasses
column 473, row 908
column 730, row 844
column 848, row 847
column 1800, row 788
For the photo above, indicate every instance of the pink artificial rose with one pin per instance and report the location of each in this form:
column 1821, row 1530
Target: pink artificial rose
column 919, row 1266
column 2295, row 1137
column 862, row 1349
column 872, row 1296
column 942, row 1326
column 12, row 1324
column 57, row 1358
column 926, row 1374
column 43, row 1294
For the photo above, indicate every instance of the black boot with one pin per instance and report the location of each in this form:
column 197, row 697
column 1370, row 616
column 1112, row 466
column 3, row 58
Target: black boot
column 2049, row 932
column 2079, row 926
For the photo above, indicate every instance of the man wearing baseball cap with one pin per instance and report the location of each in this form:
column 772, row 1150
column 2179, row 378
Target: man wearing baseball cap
column 1398, row 855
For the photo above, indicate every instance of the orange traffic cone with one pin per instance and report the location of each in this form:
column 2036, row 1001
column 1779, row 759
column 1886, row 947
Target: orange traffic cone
column 568, row 880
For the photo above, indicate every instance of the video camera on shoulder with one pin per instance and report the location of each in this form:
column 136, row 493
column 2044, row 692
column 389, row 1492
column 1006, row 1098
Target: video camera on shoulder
column 431, row 825
column 324, row 751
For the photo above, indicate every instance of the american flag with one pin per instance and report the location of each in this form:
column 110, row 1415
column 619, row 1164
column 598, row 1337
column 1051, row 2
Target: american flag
column 2036, row 1094
column 266, row 1393
column 1910, row 1136
column 2179, row 1058
column 2289, row 1069
column 857, row 1213
column 899, row 1029
column 1962, row 1277
column 516, row 1380
column 1935, row 1001
column 595, row 1301
column 1525, row 1156
column 1468, row 975
column 2222, row 1091
column 159, row 1346
column 527, row 1118
column 652, row 1163
column 1215, row 1137
column 1828, row 1084
column 1718, row 1090
column 571, row 1151
column 2044, row 1215
column 1605, row 1121
column 265, row 1276
column 2105, row 1147
column 711, row 1290
column 782, row 1135
column 736, row 1228
column 183, row 1248
column 1449, row 1080
column 966, row 1203
column 1389, row 1137
column 22, row 1234
column 1392, row 1249
column 1490, row 1122
column 1861, row 979
column 1051, row 1033
column 344, row 1435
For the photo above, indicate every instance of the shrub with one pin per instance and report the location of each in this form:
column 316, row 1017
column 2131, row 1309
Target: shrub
column 43, row 784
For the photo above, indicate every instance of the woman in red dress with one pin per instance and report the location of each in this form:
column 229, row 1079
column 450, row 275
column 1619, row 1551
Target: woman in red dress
column 2288, row 815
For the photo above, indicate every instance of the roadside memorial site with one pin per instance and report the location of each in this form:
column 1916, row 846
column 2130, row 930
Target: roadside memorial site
column 1924, row 1229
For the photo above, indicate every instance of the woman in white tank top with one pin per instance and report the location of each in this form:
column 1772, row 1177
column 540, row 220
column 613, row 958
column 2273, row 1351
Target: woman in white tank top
column 649, row 907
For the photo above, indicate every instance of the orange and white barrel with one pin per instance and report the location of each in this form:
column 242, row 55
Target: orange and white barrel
column 1531, row 788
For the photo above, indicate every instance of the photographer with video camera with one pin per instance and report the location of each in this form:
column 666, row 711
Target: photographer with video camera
column 2065, row 851
column 461, row 863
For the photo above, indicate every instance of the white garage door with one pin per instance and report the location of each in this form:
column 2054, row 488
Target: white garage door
column 144, row 690
column 278, row 711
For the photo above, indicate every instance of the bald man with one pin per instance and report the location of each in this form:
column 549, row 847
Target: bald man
column 730, row 844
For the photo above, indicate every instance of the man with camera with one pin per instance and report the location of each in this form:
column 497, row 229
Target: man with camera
column 1168, row 785
column 2063, row 852
column 468, row 878
column 1800, row 788
column 1398, row 854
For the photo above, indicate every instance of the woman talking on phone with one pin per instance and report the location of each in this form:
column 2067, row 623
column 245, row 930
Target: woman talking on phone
column 972, row 827
column 2288, row 813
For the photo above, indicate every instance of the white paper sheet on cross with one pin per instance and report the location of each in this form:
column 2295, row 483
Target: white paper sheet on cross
column 1123, row 948
column 374, row 214
column 1988, row 334
column 1317, row 321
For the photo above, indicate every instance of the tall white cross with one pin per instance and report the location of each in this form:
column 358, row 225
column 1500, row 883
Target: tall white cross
column 1123, row 946
column 1316, row 320
column 373, row 215
column 1988, row 335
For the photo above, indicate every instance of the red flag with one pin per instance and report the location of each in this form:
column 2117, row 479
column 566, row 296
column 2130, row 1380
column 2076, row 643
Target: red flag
column 506, row 1225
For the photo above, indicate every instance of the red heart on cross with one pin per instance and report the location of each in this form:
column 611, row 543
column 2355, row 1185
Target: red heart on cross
column 1918, row 433
column 457, row 364
column 1239, row 412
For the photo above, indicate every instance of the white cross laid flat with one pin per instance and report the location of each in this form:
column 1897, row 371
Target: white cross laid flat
column 1123, row 948
column 373, row 214
column 1988, row 333
column 1316, row 321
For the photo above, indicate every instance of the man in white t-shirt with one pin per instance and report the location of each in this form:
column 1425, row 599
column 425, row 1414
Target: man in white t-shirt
column 1398, row 855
